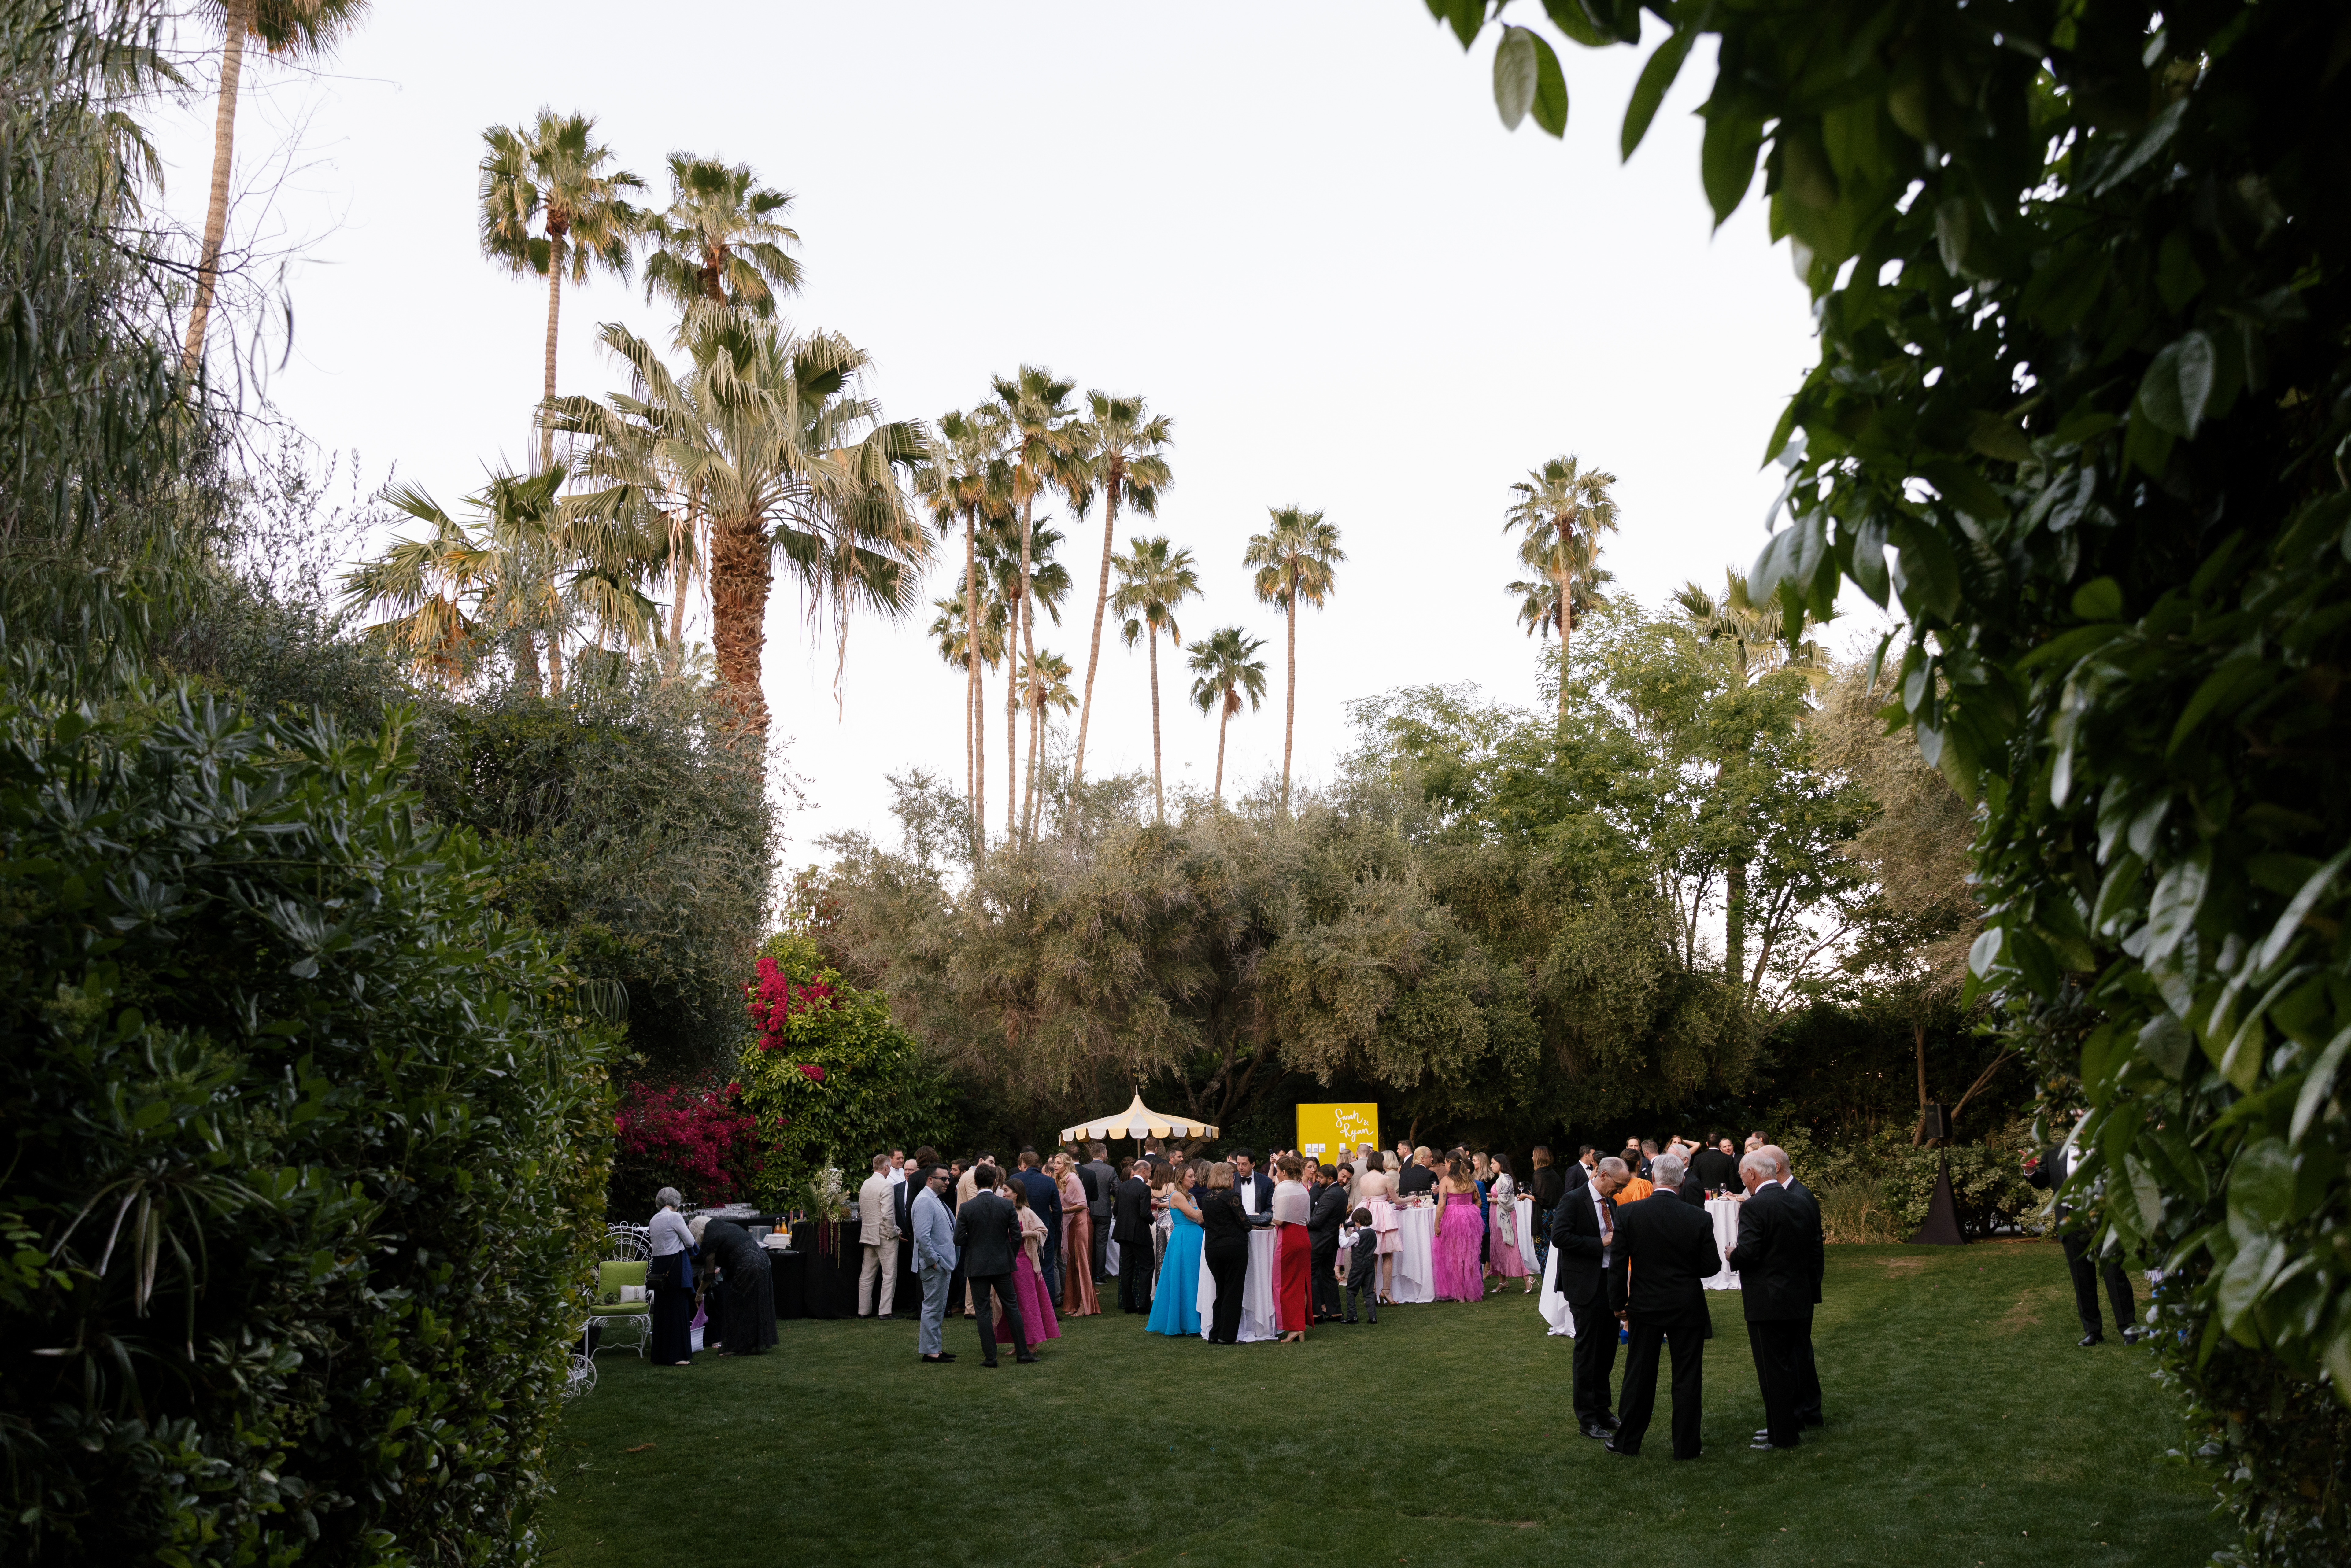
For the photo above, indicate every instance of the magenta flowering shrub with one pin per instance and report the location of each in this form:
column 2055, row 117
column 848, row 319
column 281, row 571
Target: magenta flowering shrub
column 701, row 1142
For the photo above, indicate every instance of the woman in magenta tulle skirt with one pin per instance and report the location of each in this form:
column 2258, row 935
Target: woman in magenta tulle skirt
column 1460, row 1236
column 1037, row 1319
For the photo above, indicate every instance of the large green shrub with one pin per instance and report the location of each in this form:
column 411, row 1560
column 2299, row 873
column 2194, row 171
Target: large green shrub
column 303, row 1151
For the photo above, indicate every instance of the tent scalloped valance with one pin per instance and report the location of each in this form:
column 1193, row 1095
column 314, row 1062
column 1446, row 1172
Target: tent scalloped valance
column 1138, row 1121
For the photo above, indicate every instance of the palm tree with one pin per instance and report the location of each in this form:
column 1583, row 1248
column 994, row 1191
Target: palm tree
column 767, row 436
column 952, row 631
column 290, row 30
column 551, row 171
column 1563, row 508
column 1048, row 585
column 720, row 244
column 1121, row 446
column 1044, row 684
column 1296, row 563
column 1153, row 580
column 1032, row 410
column 965, row 475
column 1225, row 666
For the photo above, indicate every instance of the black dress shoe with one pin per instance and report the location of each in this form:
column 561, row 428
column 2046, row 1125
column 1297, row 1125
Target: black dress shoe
column 1628, row 1453
column 1762, row 1445
column 1024, row 1361
column 2090, row 1339
column 1608, row 1421
column 1594, row 1429
column 990, row 1361
column 2133, row 1336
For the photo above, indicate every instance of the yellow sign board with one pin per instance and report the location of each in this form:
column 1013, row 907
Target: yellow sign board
column 1324, row 1130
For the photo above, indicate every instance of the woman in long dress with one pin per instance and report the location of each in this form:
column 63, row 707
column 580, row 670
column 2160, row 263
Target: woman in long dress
column 1375, row 1191
column 1503, row 1258
column 1077, row 1244
column 1176, row 1299
column 1037, row 1323
column 671, row 1275
column 748, row 1325
column 1458, row 1233
column 1293, row 1253
column 1224, row 1252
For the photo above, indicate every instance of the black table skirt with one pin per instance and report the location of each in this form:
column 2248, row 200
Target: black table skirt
column 829, row 1288
column 792, row 1282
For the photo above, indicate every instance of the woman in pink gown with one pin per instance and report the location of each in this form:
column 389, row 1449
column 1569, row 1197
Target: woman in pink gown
column 1037, row 1319
column 1460, row 1235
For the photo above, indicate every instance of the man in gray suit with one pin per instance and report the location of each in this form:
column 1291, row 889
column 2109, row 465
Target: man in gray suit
column 1101, row 1188
column 935, row 1261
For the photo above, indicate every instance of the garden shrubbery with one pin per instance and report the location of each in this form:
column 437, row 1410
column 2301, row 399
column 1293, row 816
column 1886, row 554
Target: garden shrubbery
column 305, row 1147
column 1877, row 1188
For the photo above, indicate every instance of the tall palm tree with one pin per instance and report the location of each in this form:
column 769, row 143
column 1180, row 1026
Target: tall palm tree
column 1042, row 440
column 551, row 171
column 1563, row 510
column 1297, row 562
column 721, row 244
column 1044, row 684
column 1153, row 580
column 1226, row 667
column 964, row 474
column 290, row 30
column 1121, row 447
column 1049, row 584
column 785, row 462
column 952, row 631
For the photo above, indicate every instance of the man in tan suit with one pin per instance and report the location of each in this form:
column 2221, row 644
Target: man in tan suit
column 877, row 1231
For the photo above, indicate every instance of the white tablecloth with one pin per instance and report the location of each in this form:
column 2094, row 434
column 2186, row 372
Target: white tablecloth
column 1551, row 1303
column 1416, row 1267
column 1257, row 1290
column 1724, row 1212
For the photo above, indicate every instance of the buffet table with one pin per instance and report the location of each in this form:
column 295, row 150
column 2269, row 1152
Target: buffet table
column 1257, row 1290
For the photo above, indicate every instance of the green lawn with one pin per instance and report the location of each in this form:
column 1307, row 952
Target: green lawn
column 1964, row 1428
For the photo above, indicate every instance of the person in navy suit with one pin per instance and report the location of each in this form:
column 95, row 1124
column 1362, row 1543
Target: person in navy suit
column 1045, row 1202
column 1774, row 1259
column 1661, row 1251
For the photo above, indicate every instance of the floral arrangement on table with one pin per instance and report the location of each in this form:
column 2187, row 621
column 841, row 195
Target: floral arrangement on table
column 825, row 1195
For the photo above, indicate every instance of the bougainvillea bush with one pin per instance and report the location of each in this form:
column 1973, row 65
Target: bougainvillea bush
column 829, row 1078
column 306, row 1151
column 699, row 1141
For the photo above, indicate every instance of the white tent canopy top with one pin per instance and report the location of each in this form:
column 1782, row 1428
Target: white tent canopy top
column 1138, row 1121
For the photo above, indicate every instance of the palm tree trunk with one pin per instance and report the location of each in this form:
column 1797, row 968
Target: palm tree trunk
column 1032, row 799
column 975, row 712
column 1158, row 792
column 741, row 570
column 554, row 313
column 554, row 663
column 678, row 606
column 1027, row 647
column 526, row 657
column 237, row 22
column 1564, row 620
column 1101, row 602
column 1734, row 923
column 1290, row 709
column 1011, row 741
column 1223, row 717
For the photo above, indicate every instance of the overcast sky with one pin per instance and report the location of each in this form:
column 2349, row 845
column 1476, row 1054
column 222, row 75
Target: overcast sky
column 1298, row 228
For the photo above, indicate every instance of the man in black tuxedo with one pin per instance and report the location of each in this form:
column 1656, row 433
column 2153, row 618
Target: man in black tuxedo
column 1583, row 1228
column 1326, row 1207
column 1718, row 1167
column 1045, row 1202
column 1663, row 1249
column 1131, row 1229
column 987, row 1236
column 1774, row 1259
column 1102, row 1193
column 1253, row 1189
column 1418, row 1176
column 2055, row 1164
column 1808, row 1371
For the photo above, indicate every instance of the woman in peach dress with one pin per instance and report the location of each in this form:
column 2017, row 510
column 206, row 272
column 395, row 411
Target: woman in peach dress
column 1077, row 1242
column 1375, row 1191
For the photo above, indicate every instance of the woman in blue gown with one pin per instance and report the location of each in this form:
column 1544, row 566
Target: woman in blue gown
column 1176, row 1298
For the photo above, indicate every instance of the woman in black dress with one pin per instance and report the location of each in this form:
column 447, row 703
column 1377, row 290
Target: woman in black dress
column 748, row 1286
column 1224, row 1251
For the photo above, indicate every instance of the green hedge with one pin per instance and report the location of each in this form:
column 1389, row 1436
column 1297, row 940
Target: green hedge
column 1896, row 1181
column 305, row 1152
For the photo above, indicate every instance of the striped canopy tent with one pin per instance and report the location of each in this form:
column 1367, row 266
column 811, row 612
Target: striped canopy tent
column 1138, row 1121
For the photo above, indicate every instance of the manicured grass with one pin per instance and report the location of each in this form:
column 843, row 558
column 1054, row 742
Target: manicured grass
column 1965, row 1427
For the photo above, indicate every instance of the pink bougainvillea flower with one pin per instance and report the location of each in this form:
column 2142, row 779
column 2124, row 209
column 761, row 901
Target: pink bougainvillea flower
column 812, row 1073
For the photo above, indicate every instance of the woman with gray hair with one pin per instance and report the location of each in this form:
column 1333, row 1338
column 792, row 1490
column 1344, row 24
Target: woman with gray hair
column 671, row 1275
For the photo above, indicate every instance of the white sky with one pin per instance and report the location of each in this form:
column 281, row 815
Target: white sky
column 1299, row 229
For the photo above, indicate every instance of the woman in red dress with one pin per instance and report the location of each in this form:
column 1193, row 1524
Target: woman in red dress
column 1293, row 1254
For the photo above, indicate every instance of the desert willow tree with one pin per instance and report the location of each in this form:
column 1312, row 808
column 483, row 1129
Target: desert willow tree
column 1045, row 443
column 290, row 30
column 1123, row 449
column 1153, row 579
column 1758, row 639
column 785, row 462
column 1297, row 560
column 1562, row 510
column 550, row 174
column 1225, row 668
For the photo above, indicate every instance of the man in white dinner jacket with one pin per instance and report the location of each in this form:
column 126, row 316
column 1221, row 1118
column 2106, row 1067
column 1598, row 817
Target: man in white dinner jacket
column 877, row 1231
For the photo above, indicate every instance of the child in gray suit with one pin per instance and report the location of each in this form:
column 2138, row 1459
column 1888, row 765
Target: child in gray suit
column 1362, row 1249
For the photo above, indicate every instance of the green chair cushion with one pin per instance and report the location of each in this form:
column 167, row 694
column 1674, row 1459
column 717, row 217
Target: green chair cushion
column 610, row 1277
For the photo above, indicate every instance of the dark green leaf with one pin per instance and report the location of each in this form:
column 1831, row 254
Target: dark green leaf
column 1727, row 161
column 1550, row 90
column 2101, row 600
column 2178, row 385
column 1925, row 571
column 1570, row 18
column 1656, row 76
